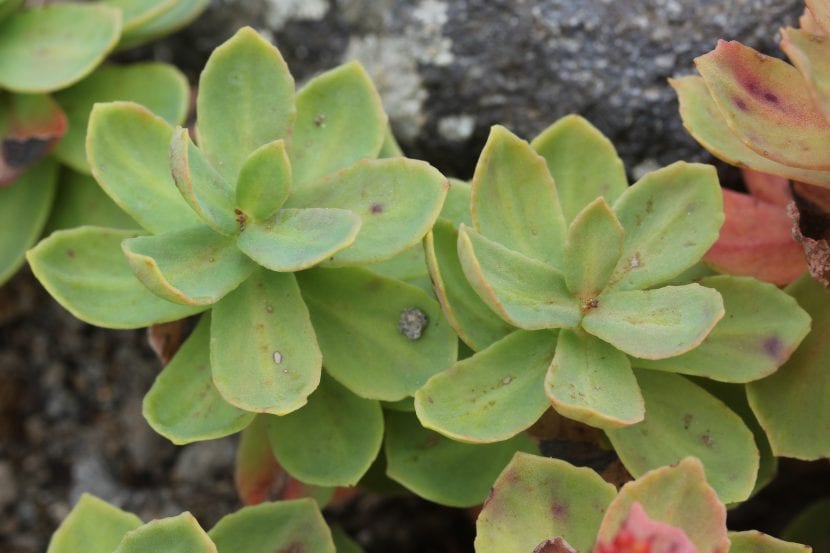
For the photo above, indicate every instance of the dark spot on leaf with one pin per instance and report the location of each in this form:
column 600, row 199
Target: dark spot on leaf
column 771, row 98
column 556, row 545
column 560, row 511
column 707, row 440
column 650, row 205
column 22, row 153
column 741, row 104
column 412, row 322
column 376, row 208
column 70, row 252
column 687, row 421
column 320, row 120
column 295, row 547
column 773, row 347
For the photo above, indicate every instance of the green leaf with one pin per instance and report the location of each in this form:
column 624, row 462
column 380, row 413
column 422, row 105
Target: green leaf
column 671, row 217
column 368, row 343
column 761, row 329
column 655, row 324
column 193, row 266
column 136, row 13
column 127, row 149
column 159, row 87
column 343, row 543
column 593, row 247
column 537, row 498
column 204, row 190
column 264, row 181
column 397, row 199
column 30, row 127
column 810, row 526
column 179, row 534
column 767, row 103
column 792, row 405
column 681, row 420
column 442, row 470
column 179, row 15
column 456, row 208
column 469, row 316
column 183, row 405
column 24, row 208
column 86, row 272
column 52, row 47
column 340, row 120
column 810, row 58
column 246, row 100
column 8, row 7
column 296, row 239
column 753, row 541
column 592, row 382
column 93, row 526
column 514, row 199
column 408, row 265
column 493, row 395
column 80, row 201
column 704, row 121
column 331, row 441
column 262, row 346
column 678, row 496
column 583, row 163
column 525, row 292
column 256, row 470
column 390, row 146
column 287, row 526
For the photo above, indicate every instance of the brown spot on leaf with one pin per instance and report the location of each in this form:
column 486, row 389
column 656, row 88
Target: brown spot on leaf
column 556, row 545
column 773, row 347
column 707, row 440
column 741, row 104
column 70, row 252
column 376, row 208
column 687, row 421
column 560, row 511
column 295, row 547
column 320, row 120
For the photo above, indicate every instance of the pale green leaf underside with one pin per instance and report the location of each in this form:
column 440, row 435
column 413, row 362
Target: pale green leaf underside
column 593, row 246
column 592, row 382
column 655, row 324
column 583, row 163
column 179, row 15
column 179, row 534
column 183, row 405
column 86, row 272
column 683, row 420
column 357, row 317
column 263, row 349
column 93, row 526
column 514, row 200
column 296, row 239
column 525, row 292
column 331, row 441
column 80, row 201
column 493, row 395
column 264, row 181
column 538, row 498
column 193, row 266
column 753, row 541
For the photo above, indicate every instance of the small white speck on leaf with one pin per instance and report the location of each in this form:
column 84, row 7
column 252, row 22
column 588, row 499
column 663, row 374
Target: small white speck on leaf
column 277, row 357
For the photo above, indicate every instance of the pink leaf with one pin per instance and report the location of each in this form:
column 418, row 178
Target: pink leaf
column 640, row 534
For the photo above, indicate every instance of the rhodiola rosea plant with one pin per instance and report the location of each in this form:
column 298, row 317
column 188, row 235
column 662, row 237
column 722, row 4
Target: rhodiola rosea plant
column 576, row 293
column 266, row 226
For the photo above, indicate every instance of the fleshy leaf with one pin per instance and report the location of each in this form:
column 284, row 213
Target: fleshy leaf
column 584, row 163
column 536, row 498
column 30, row 126
column 183, row 404
column 331, row 441
column 256, row 470
column 138, row 12
column 456, row 208
column 262, row 346
column 810, row 526
column 655, row 324
column 179, row 15
column 638, row 532
column 493, row 395
column 809, row 54
column 671, row 218
column 8, row 7
column 683, row 419
column 264, row 181
column 127, row 149
column 86, row 272
column 525, row 292
column 678, row 496
column 390, row 146
column 52, row 47
column 179, row 534
column 469, row 316
column 159, row 87
column 792, row 405
column 760, row 331
column 593, row 246
column 771, row 189
column 93, row 526
column 442, row 470
column 752, row 541
column 296, row 239
column 287, row 526
column 246, row 100
column 340, row 120
column 703, row 119
column 514, row 199
column 24, row 209
column 591, row 381
column 767, row 103
column 193, row 266
column 380, row 338
column 820, row 12
column 343, row 543
column 80, row 201
column 205, row 191
column 397, row 199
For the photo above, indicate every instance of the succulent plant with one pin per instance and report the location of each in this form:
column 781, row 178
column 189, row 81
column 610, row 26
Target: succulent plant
column 571, row 303
column 547, row 505
column 50, row 76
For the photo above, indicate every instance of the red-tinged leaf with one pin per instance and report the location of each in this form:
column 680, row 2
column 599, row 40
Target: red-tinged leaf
column 772, row 189
column 809, row 53
column 756, row 240
column 256, row 473
column 556, row 545
column 640, row 534
column 807, row 22
column 820, row 14
column 766, row 102
column 30, row 127
column 811, row 215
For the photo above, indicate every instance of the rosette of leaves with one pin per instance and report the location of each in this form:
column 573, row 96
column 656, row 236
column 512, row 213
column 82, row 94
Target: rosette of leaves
column 266, row 223
column 50, row 76
column 575, row 292
column 547, row 505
